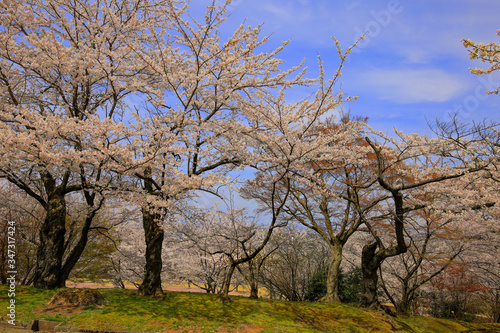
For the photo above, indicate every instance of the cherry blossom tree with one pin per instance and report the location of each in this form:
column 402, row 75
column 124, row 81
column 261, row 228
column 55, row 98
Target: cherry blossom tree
column 299, row 254
column 195, row 267
column 482, row 249
column 334, row 201
column 65, row 70
column 433, row 245
column 482, row 259
column 229, row 233
column 489, row 53
column 129, row 259
column 291, row 141
column 207, row 106
column 408, row 170
column 214, row 106
column 198, row 104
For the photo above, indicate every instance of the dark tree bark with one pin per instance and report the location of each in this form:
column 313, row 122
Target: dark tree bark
column 78, row 249
column 253, row 279
column 50, row 270
column 154, row 234
column 227, row 282
column 254, row 291
column 369, row 267
column 371, row 260
column 50, row 252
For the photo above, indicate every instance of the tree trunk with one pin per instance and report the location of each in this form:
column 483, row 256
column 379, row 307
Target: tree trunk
column 252, row 278
column 369, row 267
column 154, row 234
column 254, row 289
column 50, row 252
column 227, row 283
column 77, row 251
column 332, row 280
column 403, row 306
column 371, row 259
column 496, row 307
column 211, row 286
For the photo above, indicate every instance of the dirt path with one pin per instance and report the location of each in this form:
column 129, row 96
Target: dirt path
column 165, row 287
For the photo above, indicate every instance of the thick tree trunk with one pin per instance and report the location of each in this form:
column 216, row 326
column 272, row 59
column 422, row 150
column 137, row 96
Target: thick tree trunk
column 332, row 279
column 369, row 267
column 371, row 259
column 50, row 252
column 154, row 234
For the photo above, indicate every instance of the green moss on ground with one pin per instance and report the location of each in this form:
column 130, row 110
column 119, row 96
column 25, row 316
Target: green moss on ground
column 193, row 312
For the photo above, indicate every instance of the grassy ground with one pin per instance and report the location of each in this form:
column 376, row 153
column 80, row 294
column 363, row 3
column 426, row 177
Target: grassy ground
column 194, row 312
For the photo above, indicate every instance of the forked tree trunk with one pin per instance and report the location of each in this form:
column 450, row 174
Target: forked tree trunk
column 252, row 277
column 78, row 249
column 50, row 271
column 50, row 251
column 371, row 259
column 154, row 234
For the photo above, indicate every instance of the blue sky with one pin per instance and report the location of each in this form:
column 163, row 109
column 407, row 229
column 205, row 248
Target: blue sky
column 412, row 64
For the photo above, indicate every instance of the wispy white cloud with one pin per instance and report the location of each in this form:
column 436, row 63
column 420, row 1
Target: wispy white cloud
column 412, row 86
column 413, row 54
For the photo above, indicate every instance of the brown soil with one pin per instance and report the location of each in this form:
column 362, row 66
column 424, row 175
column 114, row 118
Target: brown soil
column 165, row 288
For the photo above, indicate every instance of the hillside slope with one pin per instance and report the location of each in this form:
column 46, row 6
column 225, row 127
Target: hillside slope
column 193, row 312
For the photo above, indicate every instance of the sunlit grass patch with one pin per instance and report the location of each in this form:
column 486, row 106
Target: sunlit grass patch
column 197, row 312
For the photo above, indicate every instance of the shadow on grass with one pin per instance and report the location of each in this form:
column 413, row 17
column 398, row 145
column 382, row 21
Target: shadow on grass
column 193, row 312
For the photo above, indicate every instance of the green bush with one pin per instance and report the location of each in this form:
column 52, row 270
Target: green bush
column 317, row 287
column 350, row 286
